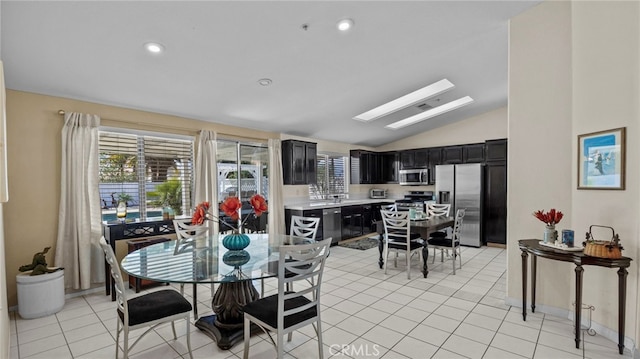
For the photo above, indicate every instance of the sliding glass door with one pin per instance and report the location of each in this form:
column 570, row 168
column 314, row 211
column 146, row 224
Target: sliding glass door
column 243, row 170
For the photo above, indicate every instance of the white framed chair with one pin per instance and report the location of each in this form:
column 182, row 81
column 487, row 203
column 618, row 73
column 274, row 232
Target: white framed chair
column 185, row 234
column 151, row 309
column 287, row 311
column 305, row 227
column 302, row 227
column 438, row 209
column 398, row 237
column 452, row 243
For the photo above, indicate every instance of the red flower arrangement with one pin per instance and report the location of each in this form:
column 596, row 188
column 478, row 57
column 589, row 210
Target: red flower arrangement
column 550, row 218
column 231, row 207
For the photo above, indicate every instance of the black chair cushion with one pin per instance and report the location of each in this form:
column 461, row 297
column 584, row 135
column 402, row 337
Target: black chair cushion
column 402, row 245
column 266, row 310
column 443, row 242
column 412, row 235
column 438, row 235
column 155, row 305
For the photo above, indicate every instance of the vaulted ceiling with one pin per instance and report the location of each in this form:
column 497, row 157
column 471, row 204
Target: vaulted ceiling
column 217, row 51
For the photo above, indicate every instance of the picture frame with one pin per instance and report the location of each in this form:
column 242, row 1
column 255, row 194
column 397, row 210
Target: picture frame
column 601, row 160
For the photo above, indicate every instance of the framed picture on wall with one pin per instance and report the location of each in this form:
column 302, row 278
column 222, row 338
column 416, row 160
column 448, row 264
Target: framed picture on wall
column 601, row 159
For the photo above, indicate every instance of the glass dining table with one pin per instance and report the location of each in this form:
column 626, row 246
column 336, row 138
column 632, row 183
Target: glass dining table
column 202, row 260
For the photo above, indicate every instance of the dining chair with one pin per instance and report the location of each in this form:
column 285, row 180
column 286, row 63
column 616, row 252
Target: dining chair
column 301, row 227
column 287, row 311
column 151, row 309
column 398, row 236
column 185, row 235
column 438, row 210
column 305, row 227
column 452, row 243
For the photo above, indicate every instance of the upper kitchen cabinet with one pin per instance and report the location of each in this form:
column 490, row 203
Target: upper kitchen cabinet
column 410, row 159
column 389, row 164
column 452, row 155
column 298, row 162
column 435, row 158
column 496, row 150
column 365, row 167
column 473, row 153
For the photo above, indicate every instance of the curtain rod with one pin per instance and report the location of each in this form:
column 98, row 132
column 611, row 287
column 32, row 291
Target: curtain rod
column 194, row 132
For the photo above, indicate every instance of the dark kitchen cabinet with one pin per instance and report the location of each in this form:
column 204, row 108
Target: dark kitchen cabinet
column 352, row 221
column 418, row 158
column 452, row 155
column 365, row 167
column 473, row 153
column 298, row 162
column 389, row 164
column 435, row 158
column 494, row 214
column 315, row 213
column 496, row 150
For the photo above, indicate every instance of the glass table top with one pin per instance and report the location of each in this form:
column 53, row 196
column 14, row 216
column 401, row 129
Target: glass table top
column 205, row 260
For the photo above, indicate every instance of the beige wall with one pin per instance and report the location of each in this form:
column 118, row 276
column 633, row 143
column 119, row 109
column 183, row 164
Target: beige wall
column 573, row 69
column 33, row 146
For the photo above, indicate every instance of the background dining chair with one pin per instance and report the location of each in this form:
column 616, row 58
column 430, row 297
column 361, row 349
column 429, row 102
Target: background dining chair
column 398, row 236
column 305, row 227
column 452, row 243
column 438, row 210
column 151, row 309
column 301, row 227
column 185, row 235
column 288, row 311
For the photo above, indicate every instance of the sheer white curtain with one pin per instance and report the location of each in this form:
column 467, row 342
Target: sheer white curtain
column 79, row 221
column 276, row 201
column 206, row 173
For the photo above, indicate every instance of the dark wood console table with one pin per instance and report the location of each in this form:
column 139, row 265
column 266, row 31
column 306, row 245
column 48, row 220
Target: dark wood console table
column 130, row 230
column 534, row 247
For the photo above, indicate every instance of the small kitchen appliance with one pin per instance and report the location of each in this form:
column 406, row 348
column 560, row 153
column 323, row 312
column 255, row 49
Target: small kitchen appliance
column 377, row 193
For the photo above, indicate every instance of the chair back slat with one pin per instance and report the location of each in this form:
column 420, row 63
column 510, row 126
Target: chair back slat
column 438, row 209
column 186, row 233
column 305, row 227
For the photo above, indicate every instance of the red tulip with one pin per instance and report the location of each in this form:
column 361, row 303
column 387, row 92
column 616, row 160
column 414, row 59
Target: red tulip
column 259, row 204
column 550, row 218
column 230, row 207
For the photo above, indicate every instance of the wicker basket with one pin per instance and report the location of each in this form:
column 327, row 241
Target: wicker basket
column 603, row 249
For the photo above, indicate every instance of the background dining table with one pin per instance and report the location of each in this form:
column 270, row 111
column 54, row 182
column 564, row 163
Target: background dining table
column 424, row 227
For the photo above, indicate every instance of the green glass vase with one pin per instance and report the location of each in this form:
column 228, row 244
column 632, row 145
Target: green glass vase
column 235, row 241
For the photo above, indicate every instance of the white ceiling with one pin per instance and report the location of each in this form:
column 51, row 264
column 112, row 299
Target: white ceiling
column 217, row 51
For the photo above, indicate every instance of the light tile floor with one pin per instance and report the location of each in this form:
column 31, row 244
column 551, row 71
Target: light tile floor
column 366, row 314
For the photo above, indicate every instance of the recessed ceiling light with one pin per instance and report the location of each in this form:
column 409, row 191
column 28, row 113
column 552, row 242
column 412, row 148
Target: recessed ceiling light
column 265, row 82
column 449, row 106
column 407, row 100
column 154, row 47
column 345, row 24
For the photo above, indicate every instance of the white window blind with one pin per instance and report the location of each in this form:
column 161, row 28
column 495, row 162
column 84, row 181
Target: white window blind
column 331, row 176
column 148, row 172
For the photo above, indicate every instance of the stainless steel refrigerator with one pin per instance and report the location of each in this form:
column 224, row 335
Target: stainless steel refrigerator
column 461, row 186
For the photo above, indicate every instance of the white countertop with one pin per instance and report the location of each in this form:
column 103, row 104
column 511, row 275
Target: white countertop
column 320, row 204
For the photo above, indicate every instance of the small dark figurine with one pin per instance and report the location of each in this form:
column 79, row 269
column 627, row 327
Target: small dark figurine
column 39, row 264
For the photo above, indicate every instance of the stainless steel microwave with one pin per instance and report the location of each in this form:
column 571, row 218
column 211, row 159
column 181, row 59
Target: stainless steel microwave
column 415, row 177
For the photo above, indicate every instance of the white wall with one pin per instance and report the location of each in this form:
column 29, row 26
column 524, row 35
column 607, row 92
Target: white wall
column 573, row 69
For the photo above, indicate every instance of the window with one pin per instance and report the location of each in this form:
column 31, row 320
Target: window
column 331, row 175
column 148, row 172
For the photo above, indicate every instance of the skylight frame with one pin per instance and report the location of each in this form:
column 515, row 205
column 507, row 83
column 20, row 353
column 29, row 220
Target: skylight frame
column 436, row 111
column 405, row 101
